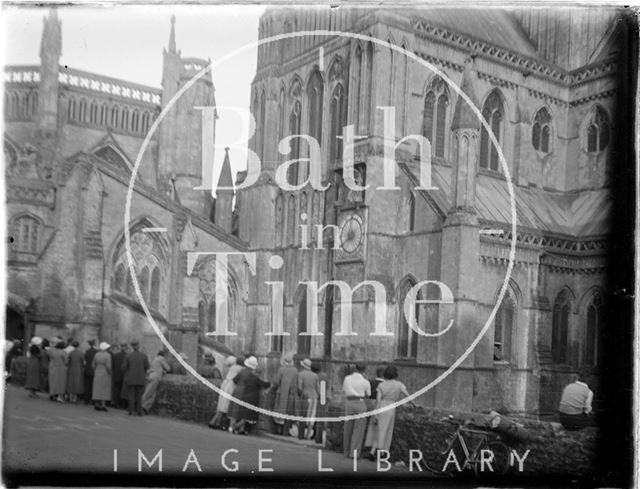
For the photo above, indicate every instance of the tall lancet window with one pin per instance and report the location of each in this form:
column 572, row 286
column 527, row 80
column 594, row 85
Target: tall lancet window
column 541, row 131
column 493, row 113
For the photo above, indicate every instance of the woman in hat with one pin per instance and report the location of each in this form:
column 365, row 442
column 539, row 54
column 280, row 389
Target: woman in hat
column 220, row 420
column 75, row 380
column 309, row 391
column 58, row 361
column 101, row 363
column 285, row 385
column 33, row 368
column 44, row 365
column 248, row 390
column 208, row 368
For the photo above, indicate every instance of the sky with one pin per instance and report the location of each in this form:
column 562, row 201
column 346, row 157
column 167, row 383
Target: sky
column 126, row 42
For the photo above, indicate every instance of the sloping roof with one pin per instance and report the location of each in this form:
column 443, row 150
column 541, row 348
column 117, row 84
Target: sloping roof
column 577, row 214
column 491, row 25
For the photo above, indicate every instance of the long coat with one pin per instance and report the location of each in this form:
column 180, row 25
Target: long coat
column 88, row 361
column 228, row 386
column 75, row 380
column 44, row 369
column 33, row 369
column 248, row 386
column 286, row 384
column 102, row 376
column 135, row 368
column 57, row 371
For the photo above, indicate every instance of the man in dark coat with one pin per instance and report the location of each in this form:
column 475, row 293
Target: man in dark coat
column 88, row 370
column 117, row 375
column 134, row 367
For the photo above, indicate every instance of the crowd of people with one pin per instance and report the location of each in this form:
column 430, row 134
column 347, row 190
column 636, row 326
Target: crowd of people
column 120, row 376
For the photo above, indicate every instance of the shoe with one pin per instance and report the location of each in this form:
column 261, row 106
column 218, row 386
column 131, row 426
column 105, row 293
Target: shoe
column 97, row 408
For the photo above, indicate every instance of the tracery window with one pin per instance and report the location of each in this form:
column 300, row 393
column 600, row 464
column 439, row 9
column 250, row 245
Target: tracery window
column 594, row 330
column 434, row 122
column 407, row 337
column 541, row 131
column 26, row 234
column 560, row 328
column 597, row 130
column 504, row 327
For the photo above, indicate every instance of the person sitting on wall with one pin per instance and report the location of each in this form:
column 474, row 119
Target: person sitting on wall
column 208, row 368
column 575, row 404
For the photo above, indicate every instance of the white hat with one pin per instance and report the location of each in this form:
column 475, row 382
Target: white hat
column 36, row 340
column 306, row 363
column 251, row 362
column 104, row 346
column 231, row 360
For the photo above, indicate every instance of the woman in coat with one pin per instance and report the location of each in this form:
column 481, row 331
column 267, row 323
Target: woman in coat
column 285, row 384
column 58, row 361
column 248, row 390
column 75, row 380
column 33, row 371
column 220, row 420
column 102, row 377
column 44, row 366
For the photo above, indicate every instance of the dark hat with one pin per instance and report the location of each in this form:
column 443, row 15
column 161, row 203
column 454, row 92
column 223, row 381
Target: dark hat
column 135, row 343
column 91, row 342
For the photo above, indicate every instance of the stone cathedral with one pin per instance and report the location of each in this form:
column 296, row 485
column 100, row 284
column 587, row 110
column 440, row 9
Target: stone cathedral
column 544, row 82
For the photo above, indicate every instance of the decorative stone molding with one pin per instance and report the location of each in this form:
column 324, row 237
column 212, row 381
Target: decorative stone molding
column 441, row 62
column 592, row 98
column 31, row 194
column 548, row 98
column 494, row 80
column 583, row 265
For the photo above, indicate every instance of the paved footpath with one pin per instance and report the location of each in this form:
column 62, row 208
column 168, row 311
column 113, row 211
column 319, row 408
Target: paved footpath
column 40, row 435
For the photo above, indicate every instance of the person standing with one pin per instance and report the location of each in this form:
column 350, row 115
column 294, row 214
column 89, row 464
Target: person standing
column 32, row 383
column 57, row 372
column 101, row 390
column 221, row 420
column 44, row 366
column 159, row 367
column 117, row 375
column 75, row 378
column 135, row 368
column 249, row 387
column 389, row 392
column 575, row 403
column 323, row 409
column 285, row 384
column 309, row 391
column 88, row 370
column 372, row 429
column 356, row 388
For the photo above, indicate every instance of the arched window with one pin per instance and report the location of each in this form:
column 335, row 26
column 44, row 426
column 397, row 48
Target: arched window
column 114, row 116
column 594, row 329
column 315, row 94
column 131, row 291
column 119, row 279
column 560, row 328
column 135, row 120
column 124, row 121
column 71, row 109
column 154, row 294
column 541, row 131
column 33, row 103
column 104, row 111
column 202, row 316
column 368, row 123
column 504, row 327
column 412, row 212
column 26, row 234
column 597, row 130
column 277, row 341
column 82, row 111
column 212, row 317
column 304, row 341
column 294, row 128
column 145, row 122
column 407, row 337
column 434, row 119
column 493, row 113
column 279, row 219
column 291, row 220
column 143, row 281
column 93, row 112
column 281, row 115
column 16, row 109
column 357, row 80
column 338, row 117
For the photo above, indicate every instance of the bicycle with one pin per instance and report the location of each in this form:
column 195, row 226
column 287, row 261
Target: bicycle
column 488, row 456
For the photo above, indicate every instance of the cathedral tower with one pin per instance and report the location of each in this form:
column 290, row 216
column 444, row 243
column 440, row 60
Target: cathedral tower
column 180, row 141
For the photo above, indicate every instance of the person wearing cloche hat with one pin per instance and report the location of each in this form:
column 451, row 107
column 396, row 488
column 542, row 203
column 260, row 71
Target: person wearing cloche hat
column 248, row 390
column 309, row 389
column 285, row 394
column 208, row 367
column 221, row 419
column 101, row 388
